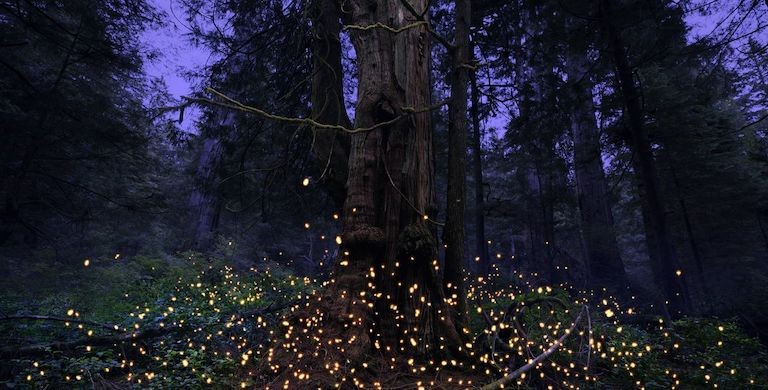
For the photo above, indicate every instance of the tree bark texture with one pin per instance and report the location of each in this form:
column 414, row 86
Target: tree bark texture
column 386, row 295
column 390, row 188
column 454, row 233
column 204, row 201
column 604, row 266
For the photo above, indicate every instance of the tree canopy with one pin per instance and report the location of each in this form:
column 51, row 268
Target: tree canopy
column 385, row 194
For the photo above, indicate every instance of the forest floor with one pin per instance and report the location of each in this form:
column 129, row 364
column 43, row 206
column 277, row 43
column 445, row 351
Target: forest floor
column 191, row 321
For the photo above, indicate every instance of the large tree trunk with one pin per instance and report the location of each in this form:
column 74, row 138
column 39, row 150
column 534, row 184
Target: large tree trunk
column 477, row 159
column 660, row 249
column 390, row 185
column 454, row 235
column 604, row 266
column 386, row 296
column 204, row 200
column 330, row 147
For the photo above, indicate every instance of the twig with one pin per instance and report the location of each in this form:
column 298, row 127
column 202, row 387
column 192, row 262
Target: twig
column 762, row 118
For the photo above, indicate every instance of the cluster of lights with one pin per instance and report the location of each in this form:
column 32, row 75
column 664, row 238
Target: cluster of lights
column 315, row 339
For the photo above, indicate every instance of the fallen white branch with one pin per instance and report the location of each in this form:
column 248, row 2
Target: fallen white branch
column 538, row 359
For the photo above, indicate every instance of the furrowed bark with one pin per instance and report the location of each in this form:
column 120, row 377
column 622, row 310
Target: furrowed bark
column 390, row 252
column 204, row 200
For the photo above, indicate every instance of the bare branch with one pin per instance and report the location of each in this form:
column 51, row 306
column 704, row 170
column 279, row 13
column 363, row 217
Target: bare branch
column 33, row 317
column 501, row 383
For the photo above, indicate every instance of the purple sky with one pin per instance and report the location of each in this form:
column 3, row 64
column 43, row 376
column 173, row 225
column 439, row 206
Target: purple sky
column 179, row 55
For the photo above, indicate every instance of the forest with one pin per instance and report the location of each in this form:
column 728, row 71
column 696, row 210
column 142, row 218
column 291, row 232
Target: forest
column 385, row 194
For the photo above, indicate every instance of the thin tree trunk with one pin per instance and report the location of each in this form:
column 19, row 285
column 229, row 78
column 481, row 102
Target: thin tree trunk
column 686, row 219
column 330, row 148
column 660, row 250
column 540, row 219
column 454, row 233
column 604, row 266
column 477, row 159
column 536, row 169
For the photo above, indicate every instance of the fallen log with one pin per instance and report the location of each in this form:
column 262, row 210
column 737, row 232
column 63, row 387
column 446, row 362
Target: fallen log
column 113, row 340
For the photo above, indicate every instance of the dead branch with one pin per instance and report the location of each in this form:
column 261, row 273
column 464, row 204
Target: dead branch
column 113, row 328
column 42, row 349
column 531, row 364
column 124, row 337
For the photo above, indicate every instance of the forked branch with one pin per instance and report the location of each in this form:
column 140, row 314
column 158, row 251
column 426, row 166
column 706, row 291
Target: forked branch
column 535, row 361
